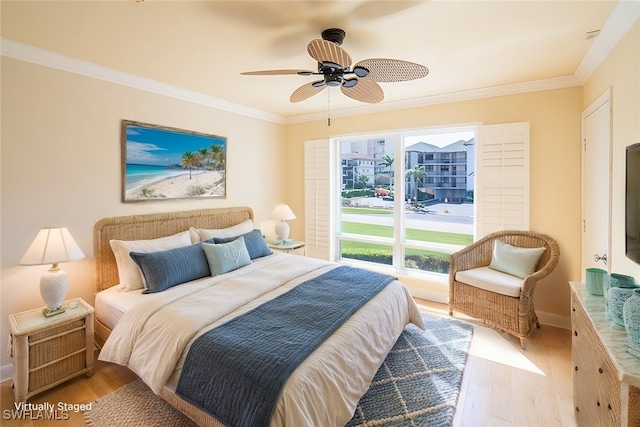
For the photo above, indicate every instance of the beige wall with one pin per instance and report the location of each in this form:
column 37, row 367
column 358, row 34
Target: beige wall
column 60, row 162
column 620, row 73
column 555, row 166
column 60, row 165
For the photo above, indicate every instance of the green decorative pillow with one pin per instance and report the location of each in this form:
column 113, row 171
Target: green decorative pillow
column 226, row 257
column 519, row 262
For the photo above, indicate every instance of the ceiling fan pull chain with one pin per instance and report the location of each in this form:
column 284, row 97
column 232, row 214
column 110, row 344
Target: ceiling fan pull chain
column 329, row 107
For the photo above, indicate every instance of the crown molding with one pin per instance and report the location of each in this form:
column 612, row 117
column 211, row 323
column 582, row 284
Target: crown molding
column 35, row 55
column 621, row 20
column 445, row 98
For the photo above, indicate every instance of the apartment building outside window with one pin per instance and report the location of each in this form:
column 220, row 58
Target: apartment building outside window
column 410, row 214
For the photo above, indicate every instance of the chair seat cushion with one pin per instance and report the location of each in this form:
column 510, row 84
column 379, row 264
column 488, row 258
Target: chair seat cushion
column 491, row 280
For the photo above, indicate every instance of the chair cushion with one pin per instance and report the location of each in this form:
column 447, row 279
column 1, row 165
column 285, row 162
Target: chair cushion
column 491, row 280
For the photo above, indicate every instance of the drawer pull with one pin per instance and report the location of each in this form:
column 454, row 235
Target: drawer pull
column 609, row 406
column 575, row 333
column 576, row 368
column 600, row 370
column 598, row 403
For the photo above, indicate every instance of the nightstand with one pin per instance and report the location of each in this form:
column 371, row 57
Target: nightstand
column 295, row 247
column 48, row 351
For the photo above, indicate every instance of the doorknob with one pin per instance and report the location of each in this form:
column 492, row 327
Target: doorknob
column 602, row 258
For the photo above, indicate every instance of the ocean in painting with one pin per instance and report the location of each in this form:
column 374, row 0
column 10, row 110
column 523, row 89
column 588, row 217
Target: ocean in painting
column 141, row 175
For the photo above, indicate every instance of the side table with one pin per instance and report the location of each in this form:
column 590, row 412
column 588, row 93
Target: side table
column 295, row 246
column 48, row 351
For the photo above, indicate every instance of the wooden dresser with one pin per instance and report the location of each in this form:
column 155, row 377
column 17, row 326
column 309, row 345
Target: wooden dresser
column 606, row 379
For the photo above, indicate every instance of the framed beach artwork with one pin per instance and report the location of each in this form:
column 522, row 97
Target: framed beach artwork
column 160, row 163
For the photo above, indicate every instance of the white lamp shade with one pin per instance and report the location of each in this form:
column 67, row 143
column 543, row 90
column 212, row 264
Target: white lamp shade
column 51, row 246
column 282, row 212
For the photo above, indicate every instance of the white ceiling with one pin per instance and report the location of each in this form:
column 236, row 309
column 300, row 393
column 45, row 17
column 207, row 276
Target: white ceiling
column 203, row 46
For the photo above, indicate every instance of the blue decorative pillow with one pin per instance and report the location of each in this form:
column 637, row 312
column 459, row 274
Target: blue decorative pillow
column 165, row 269
column 513, row 260
column 253, row 240
column 226, row 257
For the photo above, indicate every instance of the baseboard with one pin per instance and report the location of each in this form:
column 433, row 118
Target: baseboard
column 428, row 294
column 545, row 318
column 6, row 372
column 553, row 319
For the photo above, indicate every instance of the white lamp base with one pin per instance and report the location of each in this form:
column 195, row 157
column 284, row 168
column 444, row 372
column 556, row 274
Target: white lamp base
column 282, row 230
column 53, row 288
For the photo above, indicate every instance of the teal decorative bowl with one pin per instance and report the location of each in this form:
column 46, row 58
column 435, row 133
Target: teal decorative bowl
column 617, row 296
column 622, row 281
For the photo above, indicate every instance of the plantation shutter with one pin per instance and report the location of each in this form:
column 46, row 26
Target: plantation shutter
column 502, row 178
column 317, row 194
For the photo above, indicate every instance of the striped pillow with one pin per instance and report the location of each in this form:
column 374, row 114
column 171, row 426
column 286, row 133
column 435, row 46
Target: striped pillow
column 172, row 267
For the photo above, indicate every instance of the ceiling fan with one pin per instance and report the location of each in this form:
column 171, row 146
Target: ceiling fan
column 359, row 81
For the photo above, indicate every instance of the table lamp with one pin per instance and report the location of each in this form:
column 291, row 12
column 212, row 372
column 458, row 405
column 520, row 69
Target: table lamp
column 51, row 246
column 282, row 213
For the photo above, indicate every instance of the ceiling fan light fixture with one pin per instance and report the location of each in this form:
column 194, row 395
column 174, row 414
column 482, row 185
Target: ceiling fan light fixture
column 333, row 79
column 360, row 71
column 349, row 82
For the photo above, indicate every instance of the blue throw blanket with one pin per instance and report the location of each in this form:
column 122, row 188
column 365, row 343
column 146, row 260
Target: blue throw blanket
column 236, row 371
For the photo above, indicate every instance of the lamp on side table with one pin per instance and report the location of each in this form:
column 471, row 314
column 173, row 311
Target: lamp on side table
column 53, row 245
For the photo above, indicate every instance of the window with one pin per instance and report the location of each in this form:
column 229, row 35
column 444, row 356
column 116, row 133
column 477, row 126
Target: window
column 419, row 199
column 410, row 215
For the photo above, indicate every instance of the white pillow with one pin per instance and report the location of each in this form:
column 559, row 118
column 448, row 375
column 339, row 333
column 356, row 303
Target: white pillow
column 128, row 271
column 233, row 231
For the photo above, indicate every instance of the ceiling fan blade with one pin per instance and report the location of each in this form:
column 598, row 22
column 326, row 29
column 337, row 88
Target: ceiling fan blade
column 305, row 91
column 392, row 70
column 365, row 91
column 326, row 51
column 276, row 72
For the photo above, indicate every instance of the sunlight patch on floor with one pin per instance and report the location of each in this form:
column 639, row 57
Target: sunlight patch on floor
column 490, row 345
column 487, row 343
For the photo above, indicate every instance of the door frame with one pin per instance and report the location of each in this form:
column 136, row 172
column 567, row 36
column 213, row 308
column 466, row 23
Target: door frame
column 599, row 102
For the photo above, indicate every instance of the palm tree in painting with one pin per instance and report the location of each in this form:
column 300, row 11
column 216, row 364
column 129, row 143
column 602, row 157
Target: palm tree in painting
column 417, row 175
column 203, row 154
column 217, row 155
column 190, row 160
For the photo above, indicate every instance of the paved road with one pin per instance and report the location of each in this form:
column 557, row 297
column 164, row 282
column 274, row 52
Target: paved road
column 459, row 218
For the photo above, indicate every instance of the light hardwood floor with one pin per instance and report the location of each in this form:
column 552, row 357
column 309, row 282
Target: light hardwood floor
column 502, row 385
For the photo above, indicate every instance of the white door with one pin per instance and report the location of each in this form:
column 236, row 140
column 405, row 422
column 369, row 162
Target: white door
column 596, row 184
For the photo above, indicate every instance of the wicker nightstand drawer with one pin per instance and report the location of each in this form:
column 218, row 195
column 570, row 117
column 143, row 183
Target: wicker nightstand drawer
column 56, row 343
column 49, row 351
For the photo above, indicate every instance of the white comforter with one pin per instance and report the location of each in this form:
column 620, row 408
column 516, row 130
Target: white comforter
column 153, row 338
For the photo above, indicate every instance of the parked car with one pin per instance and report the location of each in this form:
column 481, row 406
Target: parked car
column 381, row 192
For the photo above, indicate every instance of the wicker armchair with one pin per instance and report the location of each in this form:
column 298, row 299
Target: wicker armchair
column 514, row 315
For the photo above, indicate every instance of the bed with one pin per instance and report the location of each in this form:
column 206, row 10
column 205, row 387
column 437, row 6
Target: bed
column 133, row 328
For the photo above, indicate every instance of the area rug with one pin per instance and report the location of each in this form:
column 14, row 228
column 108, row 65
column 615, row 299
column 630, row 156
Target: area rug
column 417, row 385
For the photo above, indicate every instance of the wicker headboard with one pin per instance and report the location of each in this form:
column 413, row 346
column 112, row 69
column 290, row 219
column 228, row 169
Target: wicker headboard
column 152, row 226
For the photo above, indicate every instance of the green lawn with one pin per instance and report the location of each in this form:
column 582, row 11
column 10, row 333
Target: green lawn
column 367, row 211
column 412, row 233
